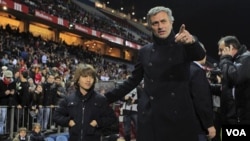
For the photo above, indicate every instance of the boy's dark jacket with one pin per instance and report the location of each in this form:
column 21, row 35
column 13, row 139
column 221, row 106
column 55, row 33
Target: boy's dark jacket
column 84, row 109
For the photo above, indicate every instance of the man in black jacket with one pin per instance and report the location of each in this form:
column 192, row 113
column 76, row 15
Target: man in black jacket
column 235, row 68
column 8, row 98
column 168, row 112
column 49, row 101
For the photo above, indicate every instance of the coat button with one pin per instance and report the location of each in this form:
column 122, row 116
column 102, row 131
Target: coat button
column 153, row 50
column 151, row 98
column 150, row 64
column 172, row 94
column 169, row 59
column 151, row 80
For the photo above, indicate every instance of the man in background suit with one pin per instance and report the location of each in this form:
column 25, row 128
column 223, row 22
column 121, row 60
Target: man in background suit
column 202, row 99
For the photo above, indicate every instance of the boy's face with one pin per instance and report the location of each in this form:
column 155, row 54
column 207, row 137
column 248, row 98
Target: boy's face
column 22, row 133
column 37, row 129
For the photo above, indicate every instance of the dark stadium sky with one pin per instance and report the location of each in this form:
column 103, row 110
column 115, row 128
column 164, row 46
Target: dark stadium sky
column 208, row 19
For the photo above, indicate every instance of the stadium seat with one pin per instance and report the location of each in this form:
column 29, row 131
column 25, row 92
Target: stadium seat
column 49, row 139
column 61, row 138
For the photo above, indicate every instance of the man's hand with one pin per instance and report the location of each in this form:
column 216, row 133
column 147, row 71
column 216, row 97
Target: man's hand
column 126, row 97
column 19, row 106
column 184, row 36
column 93, row 123
column 7, row 92
column 72, row 123
column 227, row 51
column 211, row 132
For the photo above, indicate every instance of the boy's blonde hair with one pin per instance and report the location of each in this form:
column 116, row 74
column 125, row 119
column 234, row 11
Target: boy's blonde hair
column 22, row 129
column 36, row 125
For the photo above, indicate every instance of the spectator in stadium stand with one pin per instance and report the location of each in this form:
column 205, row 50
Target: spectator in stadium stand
column 60, row 89
column 32, row 85
column 49, row 100
column 164, row 65
column 5, row 60
column 24, row 98
column 37, row 103
column 44, row 59
column 36, row 74
column 7, row 98
column 22, row 134
column 36, row 134
column 4, row 68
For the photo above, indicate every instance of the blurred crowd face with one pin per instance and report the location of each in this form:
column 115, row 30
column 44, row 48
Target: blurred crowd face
column 39, row 88
column 37, row 129
column 58, row 81
column 51, row 79
column 161, row 25
column 22, row 133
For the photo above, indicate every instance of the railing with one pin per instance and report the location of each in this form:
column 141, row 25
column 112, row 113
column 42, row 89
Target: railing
column 12, row 118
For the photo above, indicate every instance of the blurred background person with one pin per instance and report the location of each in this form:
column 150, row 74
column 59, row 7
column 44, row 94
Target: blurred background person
column 130, row 113
column 36, row 134
column 22, row 135
column 235, row 68
column 202, row 99
column 8, row 98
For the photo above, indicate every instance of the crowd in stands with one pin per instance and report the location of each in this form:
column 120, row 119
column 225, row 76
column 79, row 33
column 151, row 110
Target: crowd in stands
column 24, row 50
column 47, row 67
column 75, row 14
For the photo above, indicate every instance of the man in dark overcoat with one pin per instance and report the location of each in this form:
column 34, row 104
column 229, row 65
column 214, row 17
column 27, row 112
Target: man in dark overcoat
column 168, row 113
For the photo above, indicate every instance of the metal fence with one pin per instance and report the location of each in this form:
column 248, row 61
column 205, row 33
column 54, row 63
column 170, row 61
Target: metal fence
column 12, row 118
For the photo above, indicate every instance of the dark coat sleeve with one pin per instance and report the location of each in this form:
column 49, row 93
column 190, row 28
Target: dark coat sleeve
column 107, row 116
column 195, row 51
column 61, row 115
column 132, row 82
column 235, row 71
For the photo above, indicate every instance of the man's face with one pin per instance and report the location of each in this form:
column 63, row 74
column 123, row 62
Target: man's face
column 221, row 48
column 161, row 25
column 226, row 50
column 58, row 81
column 51, row 79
